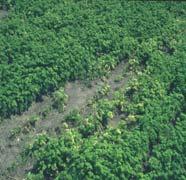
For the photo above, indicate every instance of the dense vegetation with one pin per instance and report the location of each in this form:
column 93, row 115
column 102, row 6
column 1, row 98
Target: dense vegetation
column 45, row 43
column 66, row 40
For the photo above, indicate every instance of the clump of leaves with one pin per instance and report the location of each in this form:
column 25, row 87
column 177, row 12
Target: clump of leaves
column 133, row 86
column 45, row 112
column 32, row 121
column 88, row 126
column 131, row 118
column 15, row 132
column 104, row 90
column 118, row 78
column 133, row 64
column 119, row 100
column 59, row 98
column 105, row 111
column 74, row 116
column 31, row 176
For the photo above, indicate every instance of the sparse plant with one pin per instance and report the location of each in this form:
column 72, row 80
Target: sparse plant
column 131, row 118
column 74, row 116
column 60, row 98
column 45, row 112
column 133, row 64
column 118, row 78
column 15, row 132
column 33, row 119
column 104, row 90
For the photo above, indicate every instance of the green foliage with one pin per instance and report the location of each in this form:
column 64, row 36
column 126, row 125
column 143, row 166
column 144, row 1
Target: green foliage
column 104, row 111
column 118, row 78
column 35, row 177
column 14, row 132
column 74, row 116
column 89, row 126
column 33, row 120
column 104, row 90
column 119, row 100
column 6, row 3
column 45, row 43
column 133, row 64
column 58, row 153
column 150, row 142
column 59, row 98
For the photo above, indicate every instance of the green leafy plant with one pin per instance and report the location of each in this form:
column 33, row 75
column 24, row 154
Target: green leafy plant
column 68, row 40
column 14, row 132
column 104, row 90
column 74, row 117
column 83, row 45
column 118, row 78
column 60, row 98
column 33, row 120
